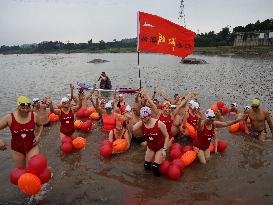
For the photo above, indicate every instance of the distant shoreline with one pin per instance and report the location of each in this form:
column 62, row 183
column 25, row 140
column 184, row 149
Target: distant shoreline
column 259, row 51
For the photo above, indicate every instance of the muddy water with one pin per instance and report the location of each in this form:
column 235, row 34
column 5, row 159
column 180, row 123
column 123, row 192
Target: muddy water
column 242, row 175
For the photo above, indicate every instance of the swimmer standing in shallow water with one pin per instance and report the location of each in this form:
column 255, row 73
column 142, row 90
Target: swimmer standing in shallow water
column 205, row 133
column 40, row 107
column 66, row 114
column 22, row 124
column 258, row 116
column 157, row 138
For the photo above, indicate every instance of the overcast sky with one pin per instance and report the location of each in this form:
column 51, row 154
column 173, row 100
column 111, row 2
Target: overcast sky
column 33, row 21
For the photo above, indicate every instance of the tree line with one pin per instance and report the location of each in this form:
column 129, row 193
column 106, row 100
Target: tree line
column 223, row 38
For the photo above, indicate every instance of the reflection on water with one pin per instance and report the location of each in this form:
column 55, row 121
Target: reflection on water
column 242, row 175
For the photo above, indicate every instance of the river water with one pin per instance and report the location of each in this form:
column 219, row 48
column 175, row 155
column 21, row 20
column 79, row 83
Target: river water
column 242, row 175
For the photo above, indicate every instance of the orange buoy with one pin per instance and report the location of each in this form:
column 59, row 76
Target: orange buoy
column 214, row 108
column 95, row 116
column 79, row 142
column 78, row 124
column 191, row 130
column 120, row 145
column 53, row 118
column 188, row 157
column 91, row 110
column 234, row 128
column 29, row 184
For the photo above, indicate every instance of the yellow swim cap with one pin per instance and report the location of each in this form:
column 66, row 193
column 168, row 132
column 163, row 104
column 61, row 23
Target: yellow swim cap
column 256, row 102
column 23, row 99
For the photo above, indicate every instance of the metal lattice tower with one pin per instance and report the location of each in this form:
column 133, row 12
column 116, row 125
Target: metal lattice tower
column 182, row 16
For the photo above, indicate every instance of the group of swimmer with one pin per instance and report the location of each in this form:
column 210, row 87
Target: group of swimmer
column 147, row 121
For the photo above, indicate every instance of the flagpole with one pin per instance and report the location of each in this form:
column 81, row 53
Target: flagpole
column 138, row 70
column 138, row 50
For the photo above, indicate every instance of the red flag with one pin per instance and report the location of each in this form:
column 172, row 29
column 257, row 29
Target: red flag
column 158, row 35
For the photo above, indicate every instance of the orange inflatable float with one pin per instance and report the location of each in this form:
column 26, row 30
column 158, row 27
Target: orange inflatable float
column 234, row 128
column 120, row 145
column 79, row 142
column 53, row 118
column 95, row 116
column 91, row 110
column 188, row 157
column 214, row 108
column 191, row 130
column 29, row 184
column 78, row 124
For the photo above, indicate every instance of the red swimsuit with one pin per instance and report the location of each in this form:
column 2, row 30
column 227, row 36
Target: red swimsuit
column 109, row 122
column 193, row 120
column 67, row 123
column 168, row 122
column 202, row 141
column 22, row 135
column 155, row 139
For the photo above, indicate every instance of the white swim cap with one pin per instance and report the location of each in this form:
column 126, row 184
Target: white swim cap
column 191, row 102
column 145, row 112
column 210, row 114
column 247, row 107
column 173, row 106
column 128, row 108
column 108, row 105
column 194, row 105
column 234, row 104
column 35, row 100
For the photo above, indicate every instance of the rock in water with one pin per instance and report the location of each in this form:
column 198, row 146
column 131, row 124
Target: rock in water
column 97, row 61
column 193, row 61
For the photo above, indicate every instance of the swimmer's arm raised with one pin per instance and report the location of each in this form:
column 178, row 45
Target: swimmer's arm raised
column 78, row 104
column 52, row 109
column 71, row 91
column 181, row 105
column 166, row 98
column 154, row 108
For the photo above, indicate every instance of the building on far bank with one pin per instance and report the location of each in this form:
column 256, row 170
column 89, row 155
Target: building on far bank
column 264, row 38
